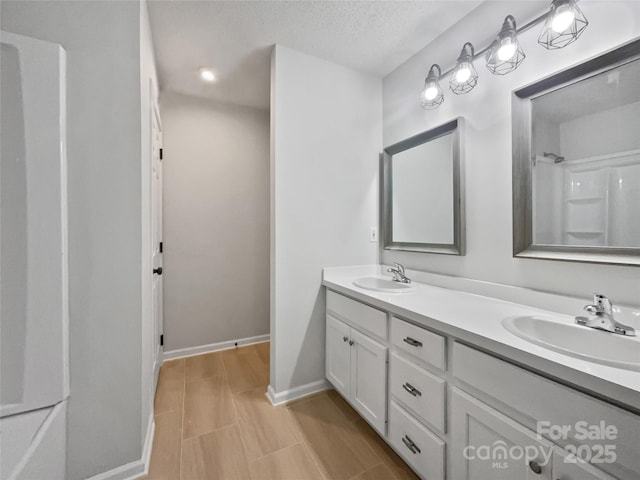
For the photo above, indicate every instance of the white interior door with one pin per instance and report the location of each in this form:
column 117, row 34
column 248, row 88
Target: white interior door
column 156, row 237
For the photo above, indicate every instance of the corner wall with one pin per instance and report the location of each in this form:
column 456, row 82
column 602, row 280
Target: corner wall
column 487, row 110
column 216, row 221
column 325, row 141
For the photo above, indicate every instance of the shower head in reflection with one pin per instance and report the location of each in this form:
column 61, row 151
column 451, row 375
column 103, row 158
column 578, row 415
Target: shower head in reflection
column 556, row 158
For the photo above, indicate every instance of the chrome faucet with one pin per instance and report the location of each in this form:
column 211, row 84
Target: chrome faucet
column 601, row 317
column 398, row 273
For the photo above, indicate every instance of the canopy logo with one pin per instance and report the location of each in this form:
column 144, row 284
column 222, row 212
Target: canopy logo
column 500, row 454
column 590, row 446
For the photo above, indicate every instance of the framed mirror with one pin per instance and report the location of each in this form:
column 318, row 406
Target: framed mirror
column 421, row 204
column 576, row 162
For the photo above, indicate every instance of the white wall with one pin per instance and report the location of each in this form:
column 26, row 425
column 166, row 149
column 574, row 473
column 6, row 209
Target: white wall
column 611, row 131
column 325, row 141
column 216, row 221
column 102, row 41
column 487, row 110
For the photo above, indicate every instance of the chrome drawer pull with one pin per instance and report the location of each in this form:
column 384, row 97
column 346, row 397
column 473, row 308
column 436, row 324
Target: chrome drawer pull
column 410, row 445
column 412, row 342
column 412, row 390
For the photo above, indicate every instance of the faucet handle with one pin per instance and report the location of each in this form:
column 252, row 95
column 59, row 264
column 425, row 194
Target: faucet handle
column 399, row 267
column 602, row 303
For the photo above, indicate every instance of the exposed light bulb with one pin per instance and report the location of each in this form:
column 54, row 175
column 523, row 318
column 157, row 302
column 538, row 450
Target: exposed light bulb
column 463, row 74
column 207, row 75
column 564, row 24
column 563, row 18
column 507, row 50
column 430, row 93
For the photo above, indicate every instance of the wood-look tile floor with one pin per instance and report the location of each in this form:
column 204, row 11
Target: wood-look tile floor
column 214, row 422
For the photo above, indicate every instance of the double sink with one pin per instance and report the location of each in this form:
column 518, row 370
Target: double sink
column 548, row 332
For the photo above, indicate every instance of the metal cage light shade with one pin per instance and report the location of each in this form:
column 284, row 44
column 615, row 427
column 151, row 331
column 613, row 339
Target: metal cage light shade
column 505, row 54
column 564, row 24
column 464, row 76
column 432, row 95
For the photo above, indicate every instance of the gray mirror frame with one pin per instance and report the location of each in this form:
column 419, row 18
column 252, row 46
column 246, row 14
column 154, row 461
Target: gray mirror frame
column 523, row 245
column 456, row 127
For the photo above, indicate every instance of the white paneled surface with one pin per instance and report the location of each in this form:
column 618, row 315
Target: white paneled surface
column 34, row 226
column 33, row 260
column 33, row 445
column 624, row 204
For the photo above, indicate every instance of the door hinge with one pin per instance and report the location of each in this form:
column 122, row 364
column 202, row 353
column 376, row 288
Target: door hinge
column 161, row 340
column 161, row 154
column 160, row 247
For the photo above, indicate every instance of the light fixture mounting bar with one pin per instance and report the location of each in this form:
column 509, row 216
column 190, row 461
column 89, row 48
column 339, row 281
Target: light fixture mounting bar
column 524, row 28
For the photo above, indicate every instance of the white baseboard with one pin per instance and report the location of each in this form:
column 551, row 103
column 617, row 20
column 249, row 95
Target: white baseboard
column 213, row 347
column 137, row 468
column 296, row 393
column 148, row 444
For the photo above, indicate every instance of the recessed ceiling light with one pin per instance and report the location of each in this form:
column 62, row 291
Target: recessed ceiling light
column 207, row 75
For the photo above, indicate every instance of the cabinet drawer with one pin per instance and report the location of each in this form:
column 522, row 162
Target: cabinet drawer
column 543, row 400
column 423, row 450
column 358, row 314
column 420, row 391
column 421, row 344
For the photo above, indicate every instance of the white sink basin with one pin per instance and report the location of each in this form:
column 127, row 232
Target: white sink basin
column 381, row 284
column 577, row 341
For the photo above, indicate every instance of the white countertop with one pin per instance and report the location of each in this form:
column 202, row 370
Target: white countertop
column 478, row 319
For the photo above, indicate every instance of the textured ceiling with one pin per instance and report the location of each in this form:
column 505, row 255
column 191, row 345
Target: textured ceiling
column 235, row 39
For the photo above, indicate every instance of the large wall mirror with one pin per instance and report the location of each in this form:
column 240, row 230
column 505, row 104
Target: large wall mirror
column 422, row 190
column 576, row 154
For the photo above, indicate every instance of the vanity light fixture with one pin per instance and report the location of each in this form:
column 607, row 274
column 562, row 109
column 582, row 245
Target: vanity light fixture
column 464, row 76
column 505, row 53
column 207, row 75
column 564, row 24
column 432, row 96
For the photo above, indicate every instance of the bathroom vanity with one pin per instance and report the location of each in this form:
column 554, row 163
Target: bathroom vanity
column 460, row 397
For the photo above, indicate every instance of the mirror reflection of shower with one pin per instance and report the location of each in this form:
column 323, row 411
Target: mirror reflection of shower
column 553, row 156
column 586, row 162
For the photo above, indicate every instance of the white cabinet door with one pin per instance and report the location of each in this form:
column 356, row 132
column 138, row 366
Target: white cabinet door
column 566, row 467
column 488, row 445
column 338, row 355
column 369, row 379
